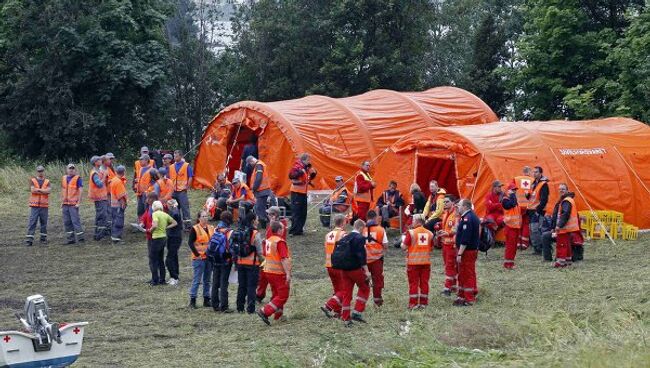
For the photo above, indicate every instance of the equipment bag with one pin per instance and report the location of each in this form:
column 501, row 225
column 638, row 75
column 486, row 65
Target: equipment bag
column 486, row 238
column 218, row 247
column 342, row 257
column 240, row 243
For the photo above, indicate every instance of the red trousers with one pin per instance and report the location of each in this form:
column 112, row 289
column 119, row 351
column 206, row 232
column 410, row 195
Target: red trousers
column 524, row 241
column 362, row 210
column 418, row 277
column 512, row 240
column 467, row 286
column 261, row 286
column 376, row 269
column 335, row 277
column 451, row 271
column 280, row 295
column 563, row 253
column 344, row 296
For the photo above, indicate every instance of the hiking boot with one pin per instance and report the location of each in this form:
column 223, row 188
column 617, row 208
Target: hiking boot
column 458, row 302
column 43, row 241
column 445, row 293
column 259, row 299
column 264, row 318
column 192, row 303
column 29, row 242
column 206, row 302
column 348, row 324
column 328, row 313
column 227, row 311
column 358, row 317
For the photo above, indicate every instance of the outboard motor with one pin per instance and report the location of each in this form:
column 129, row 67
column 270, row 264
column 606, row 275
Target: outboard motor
column 36, row 321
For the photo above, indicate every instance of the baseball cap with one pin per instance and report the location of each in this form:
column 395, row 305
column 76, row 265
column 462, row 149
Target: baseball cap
column 144, row 149
column 120, row 169
column 94, row 159
column 168, row 156
column 109, row 155
column 221, row 176
column 339, row 178
column 496, row 184
column 71, row 166
column 162, row 171
column 236, row 181
column 273, row 210
column 40, row 168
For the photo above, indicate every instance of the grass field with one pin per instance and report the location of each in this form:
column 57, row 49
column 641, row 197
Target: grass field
column 595, row 314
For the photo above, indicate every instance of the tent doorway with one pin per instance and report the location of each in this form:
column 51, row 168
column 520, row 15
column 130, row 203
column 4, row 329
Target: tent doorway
column 236, row 143
column 430, row 167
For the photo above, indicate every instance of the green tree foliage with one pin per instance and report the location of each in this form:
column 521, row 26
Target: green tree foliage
column 80, row 76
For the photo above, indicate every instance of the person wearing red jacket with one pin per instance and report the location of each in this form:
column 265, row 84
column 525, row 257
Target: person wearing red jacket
column 274, row 215
column 493, row 206
column 363, row 191
column 513, row 222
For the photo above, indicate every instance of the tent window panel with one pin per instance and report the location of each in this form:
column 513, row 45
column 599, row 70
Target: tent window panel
column 332, row 143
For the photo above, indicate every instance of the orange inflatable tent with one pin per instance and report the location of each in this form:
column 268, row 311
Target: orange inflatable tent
column 605, row 162
column 338, row 133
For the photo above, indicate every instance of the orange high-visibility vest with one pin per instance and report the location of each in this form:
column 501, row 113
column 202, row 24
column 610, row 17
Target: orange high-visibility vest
column 118, row 190
column 337, row 193
column 110, row 174
column 365, row 196
column 524, row 183
column 449, row 225
column 96, row 193
column 512, row 217
column 300, row 185
column 374, row 249
column 419, row 251
column 39, row 199
column 180, row 178
column 70, row 193
column 202, row 241
column 573, row 224
column 273, row 262
column 252, row 259
column 330, row 243
column 144, row 182
column 166, row 189
column 236, row 193
column 534, row 201
column 265, row 184
column 137, row 166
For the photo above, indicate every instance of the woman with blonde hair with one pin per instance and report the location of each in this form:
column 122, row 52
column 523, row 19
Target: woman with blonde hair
column 160, row 223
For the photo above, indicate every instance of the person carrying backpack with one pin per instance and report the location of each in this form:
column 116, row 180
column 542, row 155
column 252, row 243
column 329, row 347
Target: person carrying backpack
column 198, row 241
column 249, row 258
column 349, row 257
column 220, row 255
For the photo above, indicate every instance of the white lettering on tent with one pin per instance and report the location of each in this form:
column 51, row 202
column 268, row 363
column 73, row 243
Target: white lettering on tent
column 582, row 151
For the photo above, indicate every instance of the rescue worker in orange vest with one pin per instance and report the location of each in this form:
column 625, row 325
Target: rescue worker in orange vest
column 273, row 214
column 98, row 194
column 363, row 191
column 375, row 247
column 198, row 241
column 447, row 234
column 389, row 203
column 524, row 185
column 335, row 275
column 138, row 164
column 338, row 202
column 71, row 191
column 537, row 207
column 467, row 239
column 142, row 181
column 108, row 166
column 277, row 267
column 39, row 203
column 355, row 273
column 167, row 162
column 433, row 209
column 513, row 222
column 181, row 175
column 418, row 243
column 163, row 186
column 567, row 227
column 248, row 268
column 241, row 199
column 301, row 175
column 261, row 187
column 117, row 188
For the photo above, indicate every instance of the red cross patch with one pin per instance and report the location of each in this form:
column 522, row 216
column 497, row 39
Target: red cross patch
column 76, row 330
column 331, row 236
column 525, row 184
column 423, row 239
column 7, row 338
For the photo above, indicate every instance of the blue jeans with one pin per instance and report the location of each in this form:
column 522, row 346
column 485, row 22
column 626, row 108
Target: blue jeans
column 202, row 272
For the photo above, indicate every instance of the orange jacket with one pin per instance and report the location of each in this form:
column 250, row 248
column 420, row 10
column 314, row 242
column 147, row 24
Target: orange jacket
column 70, row 192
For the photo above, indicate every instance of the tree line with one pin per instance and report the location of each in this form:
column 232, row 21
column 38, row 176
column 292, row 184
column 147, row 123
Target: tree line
column 98, row 75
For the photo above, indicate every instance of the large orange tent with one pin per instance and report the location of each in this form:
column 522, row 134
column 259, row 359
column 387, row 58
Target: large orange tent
column 606, row 162
column 338, row 133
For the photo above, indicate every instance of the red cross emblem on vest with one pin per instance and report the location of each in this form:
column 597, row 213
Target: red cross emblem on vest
column 331, row 236
column 423, row 239
column 7, row 338
column 525, row 184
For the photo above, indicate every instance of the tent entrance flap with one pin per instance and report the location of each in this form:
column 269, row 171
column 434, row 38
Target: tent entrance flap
column 238, row 138
column 433, row 167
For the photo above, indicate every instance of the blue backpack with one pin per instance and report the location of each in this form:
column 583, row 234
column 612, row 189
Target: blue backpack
column 217, row 251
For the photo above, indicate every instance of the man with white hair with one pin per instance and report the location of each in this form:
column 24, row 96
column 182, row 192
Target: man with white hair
column 261, row 187
column 301, row 175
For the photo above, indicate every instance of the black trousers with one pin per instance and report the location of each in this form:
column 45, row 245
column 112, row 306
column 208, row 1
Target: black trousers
column 156, row 260
column 298, row 212
column 219, row 293
column 547, row 246
column 173, row 244
column 247, row 277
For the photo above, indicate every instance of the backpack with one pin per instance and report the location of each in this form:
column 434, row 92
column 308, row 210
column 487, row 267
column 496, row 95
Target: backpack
column 486, row 238
column 240, row 243
column 217, row 250
column 342, row 257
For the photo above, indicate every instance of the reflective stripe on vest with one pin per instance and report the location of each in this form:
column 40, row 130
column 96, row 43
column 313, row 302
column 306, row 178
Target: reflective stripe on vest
column 573, row 224
column 118, row 190
column 534, row 201
column 365, row 196
column 265, row 184
column 180, row 179
column 449, row 225
column 419, row 251
column 272, row 260
column 512, row 217
column 96, row 193
column 252, row 259
column 374, row 249
column 39, row 199
column 330, row 243
column 166, row 189
column 69, row 191
column 524, row 183
column 202, row 240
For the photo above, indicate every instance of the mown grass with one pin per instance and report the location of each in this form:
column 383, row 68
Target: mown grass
column 595, row 314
